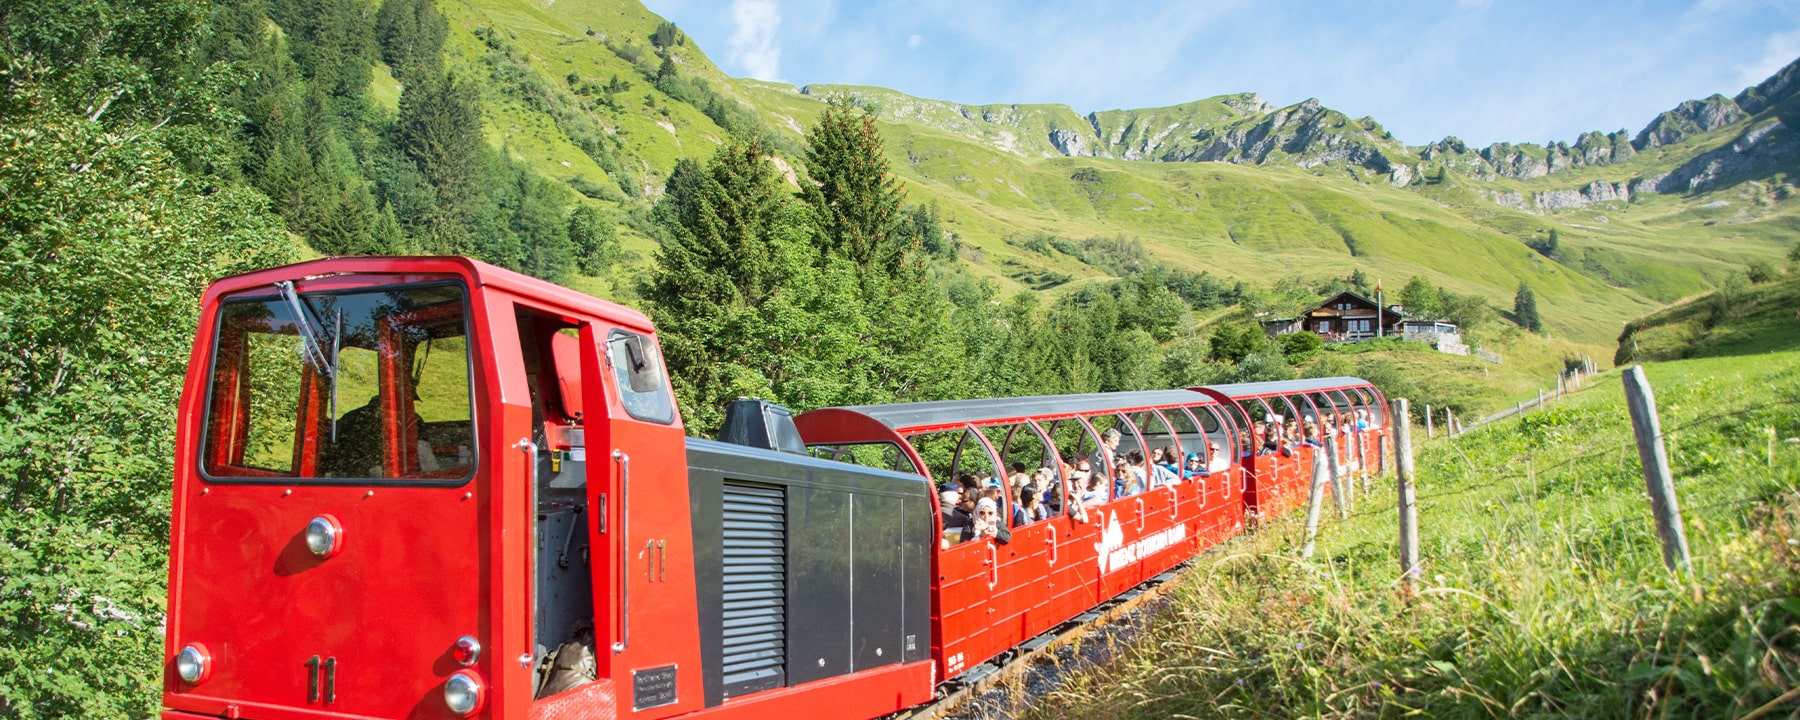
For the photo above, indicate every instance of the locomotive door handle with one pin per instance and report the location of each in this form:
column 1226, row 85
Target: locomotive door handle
column 624, row 462
column 993, row 564
column 1052, row 543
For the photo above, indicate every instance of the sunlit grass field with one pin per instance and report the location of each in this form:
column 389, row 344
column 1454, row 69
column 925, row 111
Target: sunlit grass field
column 1544, row 591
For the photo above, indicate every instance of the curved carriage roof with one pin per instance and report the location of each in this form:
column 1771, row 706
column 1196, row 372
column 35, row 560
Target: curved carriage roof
column 905, row 416
column 1284, row 387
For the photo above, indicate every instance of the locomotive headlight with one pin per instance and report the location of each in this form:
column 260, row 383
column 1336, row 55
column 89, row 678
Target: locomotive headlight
column 467, row 650
column 324, row 536
column 463, row 693
column 193, row 663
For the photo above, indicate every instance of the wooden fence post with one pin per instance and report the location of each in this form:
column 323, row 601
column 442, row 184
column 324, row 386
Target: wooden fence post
column 1409, row 517
column 1339, row 494
column 1540, row 405
column 1313, row 500
column 1450, row 422
column 1655, row 458
column 1428, row 430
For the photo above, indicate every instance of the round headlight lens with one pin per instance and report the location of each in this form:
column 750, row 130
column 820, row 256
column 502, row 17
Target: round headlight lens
column 463, row 693
column 192, row 663
column 324, row 536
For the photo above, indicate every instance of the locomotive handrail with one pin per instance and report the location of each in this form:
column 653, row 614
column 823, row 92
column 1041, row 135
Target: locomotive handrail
column 1140, row 513
column 530, row 449
column 993, row 564
column 1174, row 502
column 1052, row 542
column 624, row 462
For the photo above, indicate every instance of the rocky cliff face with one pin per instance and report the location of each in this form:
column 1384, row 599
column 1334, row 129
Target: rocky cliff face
column 1245, row 129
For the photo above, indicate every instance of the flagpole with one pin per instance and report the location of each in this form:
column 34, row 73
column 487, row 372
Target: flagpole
column 1380, row 309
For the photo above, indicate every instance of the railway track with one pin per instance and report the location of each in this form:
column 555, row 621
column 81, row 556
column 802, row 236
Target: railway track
column 973, row 683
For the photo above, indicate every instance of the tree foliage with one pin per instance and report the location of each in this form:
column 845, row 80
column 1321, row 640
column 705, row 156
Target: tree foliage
column 105, row 246
column 1525, row 310
column 850, row 188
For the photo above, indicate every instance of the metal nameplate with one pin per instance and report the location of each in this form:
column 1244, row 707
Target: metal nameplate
column 654, row 687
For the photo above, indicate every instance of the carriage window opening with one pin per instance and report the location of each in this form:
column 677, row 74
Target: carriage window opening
column 637, row 364
column 1120, row 440
column 1032, row 472
column 383, row 391
column 1078, row 443
column 879, row 455
column 1377, row 413
column 1218, row 433
column 1163, row 459
column 1193, row 441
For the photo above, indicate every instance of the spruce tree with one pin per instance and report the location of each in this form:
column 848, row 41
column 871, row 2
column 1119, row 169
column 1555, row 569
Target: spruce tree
column 1525, row 309
column 851, row 190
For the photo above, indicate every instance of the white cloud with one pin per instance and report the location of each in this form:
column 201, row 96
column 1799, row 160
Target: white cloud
column 912, row 41
column 753, row 45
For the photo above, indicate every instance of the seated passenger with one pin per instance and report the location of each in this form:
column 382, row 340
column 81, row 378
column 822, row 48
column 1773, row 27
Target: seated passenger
column 1193, row 468
column 950, row 502
column 1271, row 439
column 1162, row 474
column 1095, row 491
column 1362, row 419
column 1032, row 506
column 1167, row 459
column 1219, row 462
column 987, row 523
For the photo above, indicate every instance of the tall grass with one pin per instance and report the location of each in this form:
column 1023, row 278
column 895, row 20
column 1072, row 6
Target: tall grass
column 1544, row 592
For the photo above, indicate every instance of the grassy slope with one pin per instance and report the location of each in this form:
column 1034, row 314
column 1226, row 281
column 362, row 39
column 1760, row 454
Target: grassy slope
column 1544, row 591
column 1758, row 319
column 988, row 169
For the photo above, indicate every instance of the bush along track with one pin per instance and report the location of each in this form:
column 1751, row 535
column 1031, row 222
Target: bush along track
column 1544, row 592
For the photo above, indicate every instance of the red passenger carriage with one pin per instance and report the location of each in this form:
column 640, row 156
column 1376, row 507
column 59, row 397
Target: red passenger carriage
column 432, row 488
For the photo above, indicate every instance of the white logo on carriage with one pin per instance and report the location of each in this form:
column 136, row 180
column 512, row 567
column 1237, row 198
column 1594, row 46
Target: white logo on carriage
column 1115, row 554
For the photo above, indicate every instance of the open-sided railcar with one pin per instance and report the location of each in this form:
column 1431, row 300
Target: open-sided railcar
column 433, row 488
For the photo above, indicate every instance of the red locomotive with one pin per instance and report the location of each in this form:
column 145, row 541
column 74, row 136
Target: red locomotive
column 433, row 488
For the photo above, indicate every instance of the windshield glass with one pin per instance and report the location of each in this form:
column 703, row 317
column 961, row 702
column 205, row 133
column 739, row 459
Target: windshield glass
column 380, row 389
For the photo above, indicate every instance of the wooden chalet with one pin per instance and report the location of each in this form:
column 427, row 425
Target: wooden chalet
column 1345, row 317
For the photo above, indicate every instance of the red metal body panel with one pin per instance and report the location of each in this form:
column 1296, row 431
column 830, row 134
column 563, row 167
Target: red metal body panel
column 423, row 565
column 991, row 596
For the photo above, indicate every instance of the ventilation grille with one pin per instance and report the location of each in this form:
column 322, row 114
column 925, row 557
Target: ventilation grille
column 755, row 602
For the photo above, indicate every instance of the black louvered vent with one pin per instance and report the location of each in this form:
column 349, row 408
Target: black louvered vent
column 755, row 628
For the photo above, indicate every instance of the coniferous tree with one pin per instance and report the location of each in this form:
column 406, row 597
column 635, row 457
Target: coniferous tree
column 1525, row 309
column 850, row 188
column 594, row 238
column 439, row 129
column 742, row 299
column 412, row 35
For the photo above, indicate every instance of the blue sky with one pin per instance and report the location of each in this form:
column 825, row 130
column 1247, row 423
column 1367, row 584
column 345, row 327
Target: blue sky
column 1483, row 70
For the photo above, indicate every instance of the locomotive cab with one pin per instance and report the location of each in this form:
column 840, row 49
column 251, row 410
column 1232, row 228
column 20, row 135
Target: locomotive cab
column 404, row 489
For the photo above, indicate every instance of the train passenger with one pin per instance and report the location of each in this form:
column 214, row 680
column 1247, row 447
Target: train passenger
column 987, row 523
column 1167, row 459
column 1271, row 439
column 1094, row 494
column 1218, row 463
column 1193, row 468
column 1109, row 445
column 1033, row 505
column 1362, row 419
column 1162, row 473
